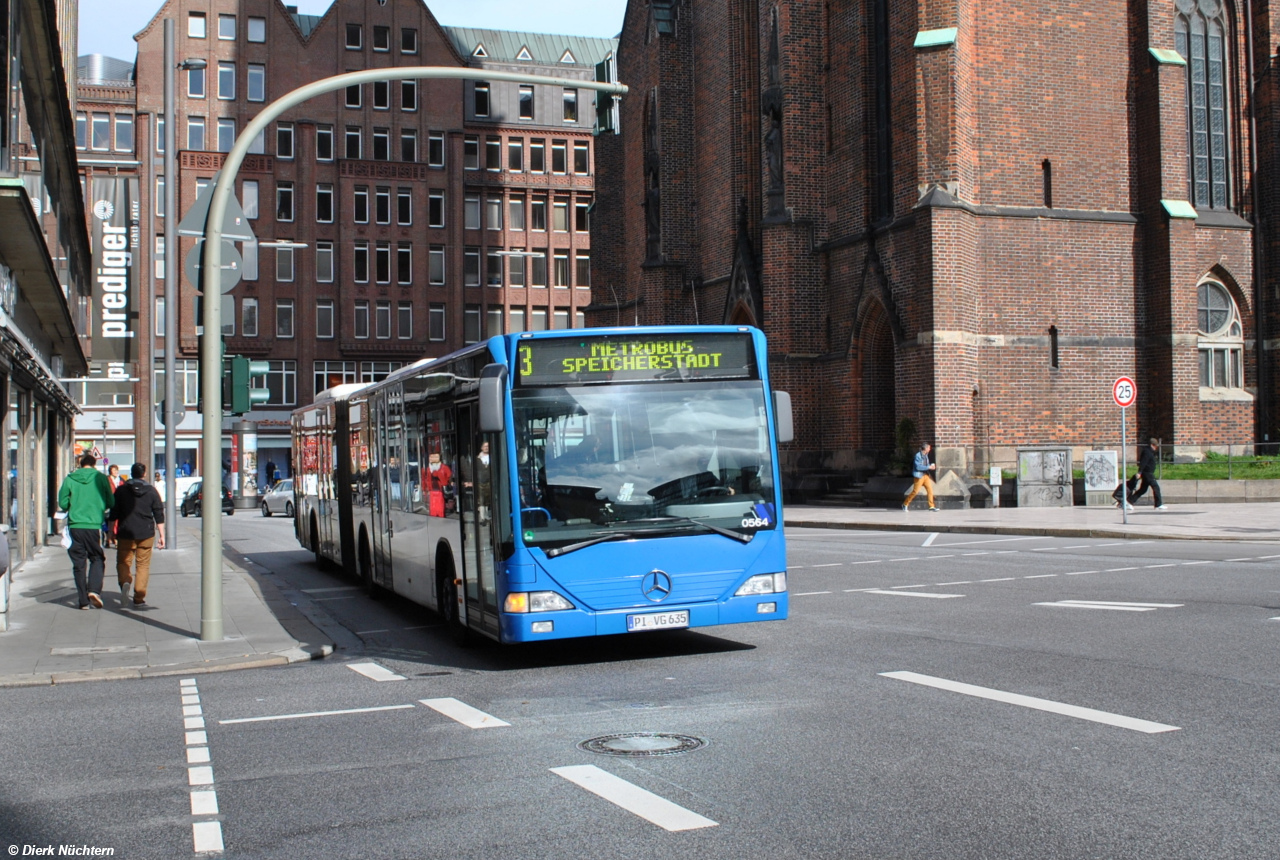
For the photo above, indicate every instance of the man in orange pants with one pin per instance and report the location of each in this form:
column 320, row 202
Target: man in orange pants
column 920, row 470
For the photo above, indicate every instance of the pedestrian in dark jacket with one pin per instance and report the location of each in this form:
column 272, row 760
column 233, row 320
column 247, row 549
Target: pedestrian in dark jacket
column 85, row 495
column 1148, row 458
column 139, row 517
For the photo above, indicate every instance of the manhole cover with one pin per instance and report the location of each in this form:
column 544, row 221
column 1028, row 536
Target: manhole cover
column 642, row 744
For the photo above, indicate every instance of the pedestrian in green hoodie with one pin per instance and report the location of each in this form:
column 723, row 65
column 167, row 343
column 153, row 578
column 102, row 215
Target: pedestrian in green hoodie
column 86, row 497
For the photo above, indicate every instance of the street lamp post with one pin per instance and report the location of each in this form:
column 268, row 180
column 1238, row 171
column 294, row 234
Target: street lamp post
column 211, row 344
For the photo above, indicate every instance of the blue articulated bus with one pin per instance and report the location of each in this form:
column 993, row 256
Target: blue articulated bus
column 559, row 483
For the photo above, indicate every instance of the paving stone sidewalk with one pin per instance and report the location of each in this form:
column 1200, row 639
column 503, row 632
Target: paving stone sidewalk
column 1257, row 521
column 50, row 641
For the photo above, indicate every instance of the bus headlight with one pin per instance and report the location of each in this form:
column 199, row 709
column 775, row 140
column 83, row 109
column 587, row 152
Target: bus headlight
column 535, row 601
column 765, row 583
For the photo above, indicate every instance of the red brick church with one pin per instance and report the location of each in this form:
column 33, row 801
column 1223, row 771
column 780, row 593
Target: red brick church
column 972, row 214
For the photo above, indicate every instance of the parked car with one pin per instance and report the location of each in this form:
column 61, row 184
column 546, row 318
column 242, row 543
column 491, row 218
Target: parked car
column 279, row 499
column 191, row 501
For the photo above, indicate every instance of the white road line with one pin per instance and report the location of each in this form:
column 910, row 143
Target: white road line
column 908, row 558
column 796, row 566
column 1188, row 563
column 1040, row 576
column 191, row 700
column 202, row 775
column 1071, row 605
column 633, row 798
column 464, row 713
column 809, row 593
column 991, row 540
column 1005, row 551
column 832, row 564
column 854, row 590
column 1032, row 702
column 1079, row 572
column 374, row 672
column 930, row 539
column 1265, row 557
column 1154, row 566
column 1046, row 549
column 908, row 593
column 192, row 711
column 872, row 561
column 197, row 738
column 198, row 755
column 1118, row 569
column 313, row 714
column 908, row 586
column 204, row 803
column 193, row 723
column 1001, row 579
column 328, row 590
column 1250, row 558
column 967, row 554
column 957, row 582
column 936, row 557
column 1077, row 546
column 206, row 837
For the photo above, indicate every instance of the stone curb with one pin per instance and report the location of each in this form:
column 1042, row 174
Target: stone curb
column 1018, row 530
column 225, row 664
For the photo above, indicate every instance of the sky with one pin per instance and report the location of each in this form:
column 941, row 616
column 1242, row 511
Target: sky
column 107, row 26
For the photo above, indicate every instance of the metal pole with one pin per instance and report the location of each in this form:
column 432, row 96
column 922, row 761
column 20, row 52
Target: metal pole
column 211, row 343
column 1124, row 469
column 170, row 292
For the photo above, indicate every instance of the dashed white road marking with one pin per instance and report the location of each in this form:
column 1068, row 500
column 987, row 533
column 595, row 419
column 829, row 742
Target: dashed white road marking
column 967, row 554
column 908, row 558
column 936, row 557
column 1000, row 579
column 895, row 587
column 1188, row 563
column 930, row 539
column 957, row 582
column 991, row 540
column 1265, row 557
column 202, row 775
column 634, row 799
column 375, row 672
column 1079, row 572
column 313, row 714
column 1250, row 558
column 872, row 561
column 1111, row 604
column 809, row 593
column 1040, row 576
column 832, row 564
column 1118, row 569
column 204, row 803
column 908, row 593
column 206, row 837
column 1154, row 566
column 1096, row 716
column 463, row 713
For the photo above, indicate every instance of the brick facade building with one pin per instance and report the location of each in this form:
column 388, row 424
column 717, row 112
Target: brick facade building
column 972, row 215
column 418, row 215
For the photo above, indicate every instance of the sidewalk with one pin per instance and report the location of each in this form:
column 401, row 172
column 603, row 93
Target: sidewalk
column 1257, row 521
column 50, row 641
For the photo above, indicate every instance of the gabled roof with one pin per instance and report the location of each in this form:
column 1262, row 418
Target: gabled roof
column 306, row 23
column 504, row 46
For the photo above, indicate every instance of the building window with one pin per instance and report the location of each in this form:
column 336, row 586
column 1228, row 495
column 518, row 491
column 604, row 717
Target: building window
column 493, row 213
column 515, row 154
column 435, row 207
column 560, row 320
column 226, row 134
column 538, row 269
column 480, row 99
column 493, row 153
column 227, row 27
column 560, row 269
column 82, row 130
column 355, row 95
column 382, row 205
column 435, row 149
column 436, row 323
column 324, row 320
column 376, row 371
column 159, row 315
column 404, row 320
column 195, row 83
column 332, row 373
column 538, row 320
column 249, row 193
column 159, row 260
column 324, row 262
column 381, row 38
column 382, row 320
column 360, row 321
column 1221, row 338
column 408, row 41
column 360, row 209
column 257, row 86
column 582, row 217
column 249, row 253
column 324, row 203
column 282, row 383
column 515, row 213
column 284, row 201
column 284, row 264
column 226, row 81
column 471, row 212
column 560, row 215
column 408, row 145
column 516, row 274
column 195, row 133
column 249, row 317
column 559, row 158
column 1201, row 40
column 355, row 37
column 228, row 305
column 538, row 155
column 471, row 267
column 538, row 213
column 257, row 30
column 382, row 262
column 259, row 144
column 381, row 144
column 404, row 262
column 360, row 263
column 471, row 324
column 102, row 131
column 493, row 322
column 581, row 162
column 493, row 269
column 284, row 140
column 435, row 265
column 124, row 132
column 381, row 95
column 324, row 143
column 284, row 318
column 160, row 133
column 526, row 102
column 404, row 206
column 471, row 152
column 408, row 95
column 196, row 25
column 583, row 273
column 353, row 142
column 159, row 204
column 570, row 105
column 516, row 317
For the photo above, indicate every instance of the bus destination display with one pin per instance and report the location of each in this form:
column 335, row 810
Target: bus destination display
column 614, row 358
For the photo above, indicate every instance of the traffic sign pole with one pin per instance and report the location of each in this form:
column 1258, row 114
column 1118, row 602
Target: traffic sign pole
column 1124, row 391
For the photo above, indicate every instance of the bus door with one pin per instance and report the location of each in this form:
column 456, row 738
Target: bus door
column 383, row 460
column 474, row 505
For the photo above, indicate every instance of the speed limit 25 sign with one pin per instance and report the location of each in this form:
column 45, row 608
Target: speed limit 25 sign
column 1125, row 392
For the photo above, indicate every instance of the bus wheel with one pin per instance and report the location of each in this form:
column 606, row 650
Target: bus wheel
column 315, row 541
column 448, row 592
column 365, row 561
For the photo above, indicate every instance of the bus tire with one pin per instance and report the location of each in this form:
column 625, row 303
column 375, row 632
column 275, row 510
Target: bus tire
column 447, row 591
column 364, row 560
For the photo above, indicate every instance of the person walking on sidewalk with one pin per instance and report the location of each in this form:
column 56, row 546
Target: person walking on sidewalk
column 1148, row 457
column 85, row 495
column 920, row 471
column 138, row 515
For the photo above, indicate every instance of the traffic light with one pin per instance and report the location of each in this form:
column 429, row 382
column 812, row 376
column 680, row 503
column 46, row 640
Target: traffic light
column 239, row 394
column 607, row 112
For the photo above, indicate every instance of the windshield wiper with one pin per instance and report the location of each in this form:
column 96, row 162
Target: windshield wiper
column 601, row 538
column 592, row 541
column 729, row 533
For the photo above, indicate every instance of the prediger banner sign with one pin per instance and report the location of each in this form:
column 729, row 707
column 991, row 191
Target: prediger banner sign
column 113, row 203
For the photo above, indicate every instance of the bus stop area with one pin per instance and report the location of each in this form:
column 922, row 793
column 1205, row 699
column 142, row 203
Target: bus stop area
column 49, row 641
column 1256, row 521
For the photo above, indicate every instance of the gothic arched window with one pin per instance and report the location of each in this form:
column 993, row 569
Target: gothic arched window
column 1201, row 35
column 1221, row 338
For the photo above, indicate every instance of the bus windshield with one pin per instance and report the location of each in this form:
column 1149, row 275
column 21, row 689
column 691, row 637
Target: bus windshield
column 660, row 457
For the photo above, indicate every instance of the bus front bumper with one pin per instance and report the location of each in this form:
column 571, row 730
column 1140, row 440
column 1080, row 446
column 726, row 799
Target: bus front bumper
column 567, row 624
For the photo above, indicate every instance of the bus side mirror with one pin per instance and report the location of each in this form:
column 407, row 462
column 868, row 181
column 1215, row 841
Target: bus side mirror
column 782, row 416
column 493, row 400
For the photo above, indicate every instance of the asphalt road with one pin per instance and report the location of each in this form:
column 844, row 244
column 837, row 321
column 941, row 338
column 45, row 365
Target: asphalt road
column 1146, row 727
